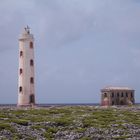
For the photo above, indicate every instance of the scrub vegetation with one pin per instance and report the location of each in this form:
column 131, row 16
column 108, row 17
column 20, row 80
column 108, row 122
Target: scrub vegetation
column 70, row 122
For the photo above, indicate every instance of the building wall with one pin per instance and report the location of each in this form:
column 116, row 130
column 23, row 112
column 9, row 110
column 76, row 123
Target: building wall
column 117, row 97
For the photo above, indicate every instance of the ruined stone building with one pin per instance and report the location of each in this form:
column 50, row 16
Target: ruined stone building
column 117, row 96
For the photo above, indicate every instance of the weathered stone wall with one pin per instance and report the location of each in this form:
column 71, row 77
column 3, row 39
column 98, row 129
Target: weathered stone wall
column 117, row 96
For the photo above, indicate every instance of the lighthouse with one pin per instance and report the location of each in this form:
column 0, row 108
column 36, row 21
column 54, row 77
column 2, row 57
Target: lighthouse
column 26, row 78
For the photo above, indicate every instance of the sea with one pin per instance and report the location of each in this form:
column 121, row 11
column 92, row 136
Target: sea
column 58, row 104
column 55, row 104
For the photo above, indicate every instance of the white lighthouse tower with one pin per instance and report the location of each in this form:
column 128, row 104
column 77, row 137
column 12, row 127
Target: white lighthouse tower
column 26, row 85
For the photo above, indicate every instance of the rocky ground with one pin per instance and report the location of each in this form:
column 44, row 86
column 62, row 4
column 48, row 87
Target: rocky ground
column 70, row 123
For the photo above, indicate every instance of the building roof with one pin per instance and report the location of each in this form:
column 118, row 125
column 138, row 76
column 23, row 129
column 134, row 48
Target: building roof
column 116, row 88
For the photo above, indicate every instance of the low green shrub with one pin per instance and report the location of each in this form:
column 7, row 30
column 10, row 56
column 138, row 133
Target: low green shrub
column 48, row 135
column 121, row 137
column 52, row 130
column 7, row 126
column 63, row 121
column 4, row 126
column 21, row 122
column 38, row 127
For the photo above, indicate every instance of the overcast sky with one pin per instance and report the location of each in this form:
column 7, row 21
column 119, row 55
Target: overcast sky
column 81, row 46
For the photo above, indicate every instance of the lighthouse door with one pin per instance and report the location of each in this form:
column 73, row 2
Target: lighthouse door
column 32, row 99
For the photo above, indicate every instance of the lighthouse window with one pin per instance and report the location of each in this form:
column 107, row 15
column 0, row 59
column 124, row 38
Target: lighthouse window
column 20, row 89
column 21, row 53
column 31, row 45
column 31, row 62
column 32, row 80
column 20, row 71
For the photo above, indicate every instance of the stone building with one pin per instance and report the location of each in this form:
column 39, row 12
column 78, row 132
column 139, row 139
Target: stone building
column 26, row 84
column 117, row 96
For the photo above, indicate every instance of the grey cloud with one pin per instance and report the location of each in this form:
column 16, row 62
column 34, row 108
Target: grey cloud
column 81, row 46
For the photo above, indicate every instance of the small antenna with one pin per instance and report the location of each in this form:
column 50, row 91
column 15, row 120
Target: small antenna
column 27, row 29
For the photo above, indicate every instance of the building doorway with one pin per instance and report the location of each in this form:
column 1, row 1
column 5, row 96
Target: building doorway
column 122, row 103
column 32, row 99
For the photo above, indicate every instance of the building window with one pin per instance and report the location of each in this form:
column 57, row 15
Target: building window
column 20, row 89
column 31, row 45
column 112, row 102
column 31, row 80
column 122, row 94
column 20, row 71
column 105, row 94
column 31, row 62
column 117, row 94
column 126, row 94
column 21, row 53
column 112, row 94
column 131, row 94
